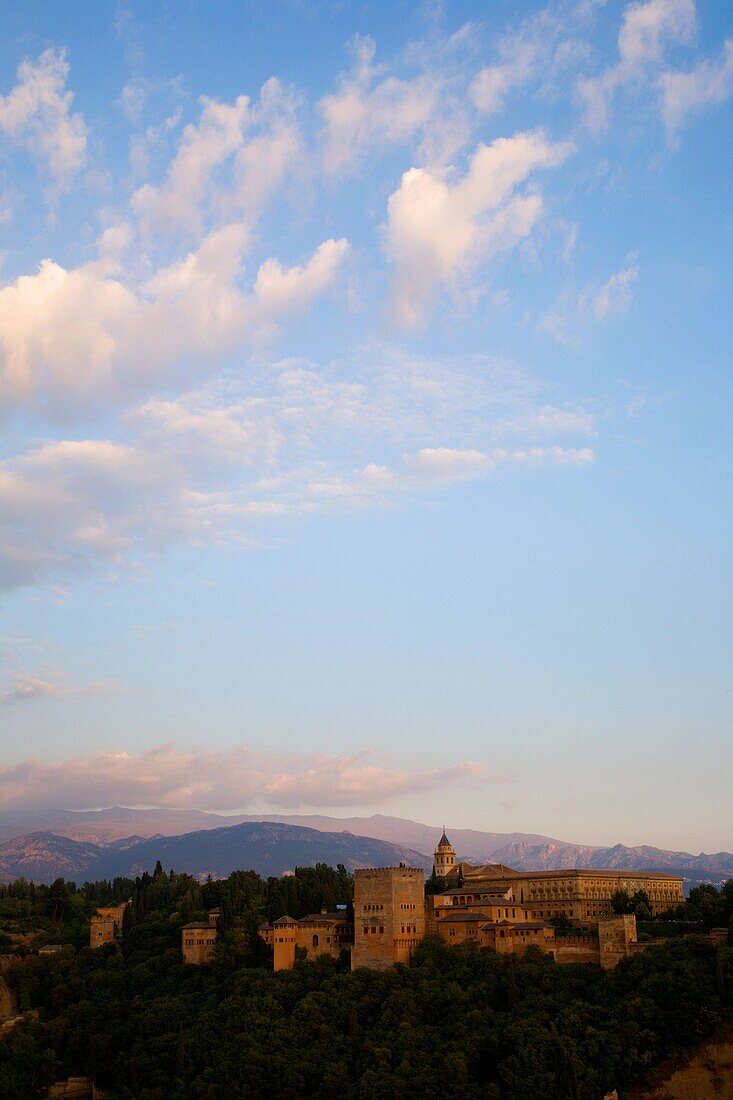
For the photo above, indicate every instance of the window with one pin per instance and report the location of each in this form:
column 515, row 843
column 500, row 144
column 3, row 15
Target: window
column 315, row 941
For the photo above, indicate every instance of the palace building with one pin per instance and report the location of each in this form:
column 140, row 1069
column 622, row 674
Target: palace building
column 315, row 935
column 198, row 939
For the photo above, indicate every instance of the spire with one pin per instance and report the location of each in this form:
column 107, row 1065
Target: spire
column 444, row 842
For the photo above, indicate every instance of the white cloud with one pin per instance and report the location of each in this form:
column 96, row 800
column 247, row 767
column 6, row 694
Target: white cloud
column 233, row 778
column 36, row 114
column 176, row 203
column 573, row 309
column 264, row 160
column 615, row 295
column 196, row 184
column 367, row 112
column 375, row 485
column 684, row 93
column 215, row 463
column 647, row 29
column 549, row 420
column 62, row 505
column 538, row 52
column 79, row 335
column 27, row 687
column 491, row 84
column 436, row 230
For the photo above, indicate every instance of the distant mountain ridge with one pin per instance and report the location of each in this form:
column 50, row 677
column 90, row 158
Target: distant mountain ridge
column 43, row 857
column 100, row 832
column 271, row 848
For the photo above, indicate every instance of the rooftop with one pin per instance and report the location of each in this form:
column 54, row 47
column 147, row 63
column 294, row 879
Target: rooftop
column 488, row 899
column 460, row 916
column 498, row 870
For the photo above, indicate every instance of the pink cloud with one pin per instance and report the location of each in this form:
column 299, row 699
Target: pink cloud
column 234, row 778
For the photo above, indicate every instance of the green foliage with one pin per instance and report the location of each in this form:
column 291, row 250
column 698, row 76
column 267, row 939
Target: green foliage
column 436, row 884
column 146, row 1027
column 706, row 907
column 669, row 928
column 638, row 903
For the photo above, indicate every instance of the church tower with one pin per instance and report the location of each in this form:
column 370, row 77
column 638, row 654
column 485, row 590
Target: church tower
column 444, row 857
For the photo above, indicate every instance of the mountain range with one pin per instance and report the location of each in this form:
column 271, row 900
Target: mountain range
column 267, row 847
column 102, row 843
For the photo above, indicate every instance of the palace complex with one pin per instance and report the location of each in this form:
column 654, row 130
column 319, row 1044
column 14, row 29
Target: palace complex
column 491, row 905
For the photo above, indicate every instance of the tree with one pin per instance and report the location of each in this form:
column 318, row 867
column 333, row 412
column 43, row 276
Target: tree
column 641, row 906
column 57, row 899
column 436, row 884
column 621, row 901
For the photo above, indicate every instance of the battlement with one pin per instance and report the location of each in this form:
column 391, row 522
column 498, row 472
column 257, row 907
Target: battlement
column 378, row 872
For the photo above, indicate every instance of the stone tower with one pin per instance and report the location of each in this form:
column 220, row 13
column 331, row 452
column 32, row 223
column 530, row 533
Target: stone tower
column 615, row 936
column 444, row 857
column 389, row 916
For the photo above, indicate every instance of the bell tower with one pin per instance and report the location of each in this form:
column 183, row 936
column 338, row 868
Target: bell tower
column 444, row 857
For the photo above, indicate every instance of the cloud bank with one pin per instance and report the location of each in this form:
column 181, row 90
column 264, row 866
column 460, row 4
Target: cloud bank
column 214, row 464
column 232, row 779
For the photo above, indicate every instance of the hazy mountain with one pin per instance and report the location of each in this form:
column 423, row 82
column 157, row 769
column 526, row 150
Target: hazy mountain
column 556, row 856
column 268, row 847
column 44, row 856
column 523, row 851
column 470, row 844
column 116, row 823
column 112, row 828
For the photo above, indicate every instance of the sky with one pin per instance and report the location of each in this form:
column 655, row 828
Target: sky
column 365, row 405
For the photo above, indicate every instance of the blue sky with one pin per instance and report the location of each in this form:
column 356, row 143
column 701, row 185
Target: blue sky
column 365, row 380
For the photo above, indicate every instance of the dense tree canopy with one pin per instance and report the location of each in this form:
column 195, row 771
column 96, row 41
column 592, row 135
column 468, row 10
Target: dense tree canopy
column 149, row 1028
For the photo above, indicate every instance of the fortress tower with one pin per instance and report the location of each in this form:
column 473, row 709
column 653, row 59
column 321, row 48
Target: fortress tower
column 444, row 857
column 389, row 916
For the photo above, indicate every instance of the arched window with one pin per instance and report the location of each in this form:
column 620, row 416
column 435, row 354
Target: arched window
column 315, row 941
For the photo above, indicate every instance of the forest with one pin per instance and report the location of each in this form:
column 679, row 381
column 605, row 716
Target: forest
column 147, row 1027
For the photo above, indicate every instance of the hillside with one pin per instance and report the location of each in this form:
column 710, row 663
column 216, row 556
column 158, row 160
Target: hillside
column 43, row 856
column 267, row 847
